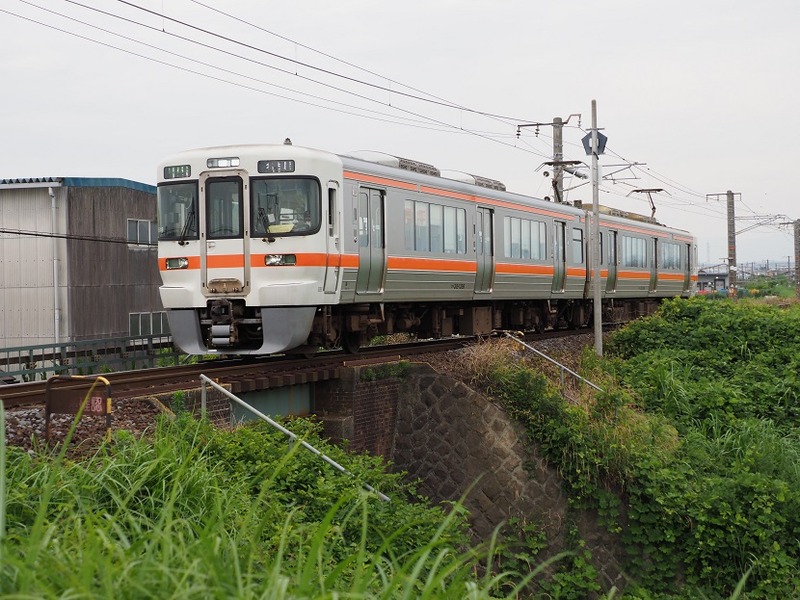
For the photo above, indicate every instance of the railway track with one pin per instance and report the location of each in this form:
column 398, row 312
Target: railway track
column 249, row 374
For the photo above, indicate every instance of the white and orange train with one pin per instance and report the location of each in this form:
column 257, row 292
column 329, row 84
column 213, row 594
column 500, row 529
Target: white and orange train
column 275, row 248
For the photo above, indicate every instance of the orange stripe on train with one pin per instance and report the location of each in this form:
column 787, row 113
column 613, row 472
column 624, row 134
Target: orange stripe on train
column 406, row 263
column 522, row 269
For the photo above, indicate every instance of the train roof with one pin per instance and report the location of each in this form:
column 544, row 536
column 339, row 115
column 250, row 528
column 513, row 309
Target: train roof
column 491, row 188
column 457, row 181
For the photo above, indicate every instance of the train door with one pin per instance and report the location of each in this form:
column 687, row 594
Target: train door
column 654, row 266
column 224, row 254
column 332, row 249
column 611, row 261
column 371, row 242
column 559, row 256
column 484, row 249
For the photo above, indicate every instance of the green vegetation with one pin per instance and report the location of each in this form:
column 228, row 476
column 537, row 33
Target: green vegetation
column 198, row 512
column 393, row 370
column 692, row 454
column 761, row 286
column 691, row 457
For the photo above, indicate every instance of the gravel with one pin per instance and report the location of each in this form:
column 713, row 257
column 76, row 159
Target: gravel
column 26, row 427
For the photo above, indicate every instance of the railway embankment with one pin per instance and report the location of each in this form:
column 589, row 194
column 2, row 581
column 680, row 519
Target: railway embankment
column 683, row 471
column 462, row 444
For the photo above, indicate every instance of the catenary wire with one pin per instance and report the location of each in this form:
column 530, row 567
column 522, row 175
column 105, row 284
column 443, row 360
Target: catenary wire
column 443, row 125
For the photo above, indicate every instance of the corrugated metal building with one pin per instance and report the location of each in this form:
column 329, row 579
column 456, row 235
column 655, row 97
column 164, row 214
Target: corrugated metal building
column 77, row 260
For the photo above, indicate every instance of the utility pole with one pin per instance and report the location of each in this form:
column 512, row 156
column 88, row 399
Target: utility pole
column 558, row 156
column 731, row 246
column 595, row 237
column 731, row 241
column 797, row 258
column 558, row 163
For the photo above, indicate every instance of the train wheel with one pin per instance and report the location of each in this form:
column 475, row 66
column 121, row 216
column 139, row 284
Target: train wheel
column 352, row 341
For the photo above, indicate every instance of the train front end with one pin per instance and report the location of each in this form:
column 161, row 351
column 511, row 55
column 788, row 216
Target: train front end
column 247, row 247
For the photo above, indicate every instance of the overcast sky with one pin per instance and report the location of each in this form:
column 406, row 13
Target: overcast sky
column 700, row 94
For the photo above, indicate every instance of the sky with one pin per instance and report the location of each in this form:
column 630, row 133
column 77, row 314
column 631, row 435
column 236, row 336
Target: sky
column 695, row 97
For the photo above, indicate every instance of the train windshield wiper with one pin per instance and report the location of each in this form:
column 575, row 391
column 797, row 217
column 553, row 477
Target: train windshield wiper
column 262, row 218
column 189, row 219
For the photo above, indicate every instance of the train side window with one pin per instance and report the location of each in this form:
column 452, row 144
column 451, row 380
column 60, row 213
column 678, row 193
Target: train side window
column 376, row 218
column 331, row 211
column 612, row 249
column 670, row 255
column 409, row 224
column 600, row 249
column 516, row 227
column 634, row 252
column 461, row 230
column 450, row 232
column 526, row 239
column 422, row 237
column 538, row 240
column 577, row 246
column 363, row 219
column 436, row 224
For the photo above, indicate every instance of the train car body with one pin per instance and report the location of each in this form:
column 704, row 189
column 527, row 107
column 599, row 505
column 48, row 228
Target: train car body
column 275, row 248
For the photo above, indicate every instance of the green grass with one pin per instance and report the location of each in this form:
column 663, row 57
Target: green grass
column 194, row 512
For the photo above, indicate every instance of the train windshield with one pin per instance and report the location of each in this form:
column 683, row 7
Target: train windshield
column 177, row 211
column 285, row 206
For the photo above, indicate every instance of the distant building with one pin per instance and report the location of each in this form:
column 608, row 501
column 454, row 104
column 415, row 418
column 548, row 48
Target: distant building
column 712, row 279
column 78, row 260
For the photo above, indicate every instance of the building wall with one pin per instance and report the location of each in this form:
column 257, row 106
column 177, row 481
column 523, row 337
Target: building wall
column 108, row 280
column 26, row 267
column 99, row 282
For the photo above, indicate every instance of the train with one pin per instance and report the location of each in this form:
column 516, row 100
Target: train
column 278, row 248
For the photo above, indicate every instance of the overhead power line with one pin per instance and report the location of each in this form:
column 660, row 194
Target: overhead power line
column 441, row 125
column 81, row 238
column 398, row 116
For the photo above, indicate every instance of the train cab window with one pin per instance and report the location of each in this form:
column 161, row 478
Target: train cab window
column 224, row 208
column 177, row 211
column 285, row 206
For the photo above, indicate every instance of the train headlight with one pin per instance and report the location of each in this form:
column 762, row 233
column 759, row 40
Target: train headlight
column 280, row 260
column 177, row 263
column 222, row 163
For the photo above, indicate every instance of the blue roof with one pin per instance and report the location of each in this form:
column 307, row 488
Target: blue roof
column 84, row 182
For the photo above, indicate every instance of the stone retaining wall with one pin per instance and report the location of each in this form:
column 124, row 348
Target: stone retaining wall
column 460, row 444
